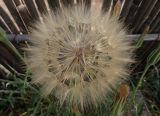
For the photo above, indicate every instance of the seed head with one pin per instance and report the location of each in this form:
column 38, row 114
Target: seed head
column 78, row 56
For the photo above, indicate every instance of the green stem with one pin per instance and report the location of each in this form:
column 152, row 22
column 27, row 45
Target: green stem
column 140, row 81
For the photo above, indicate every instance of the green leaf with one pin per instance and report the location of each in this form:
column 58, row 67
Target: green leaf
column 2, row 33
column 154, row 56
column 8, row 44
column 141, row 38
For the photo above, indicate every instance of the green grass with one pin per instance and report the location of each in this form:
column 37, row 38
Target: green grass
column 23, row 98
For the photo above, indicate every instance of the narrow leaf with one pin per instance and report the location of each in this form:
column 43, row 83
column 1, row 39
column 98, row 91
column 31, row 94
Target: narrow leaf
column 141, row 38
column 8, row 44
column 154, row 57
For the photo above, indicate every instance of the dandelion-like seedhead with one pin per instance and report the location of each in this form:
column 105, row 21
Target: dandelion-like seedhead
column 79, row 56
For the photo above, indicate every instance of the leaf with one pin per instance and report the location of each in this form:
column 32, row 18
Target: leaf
column 8, row 44
column 141, row 38
column 154, row 56
column 117, row 8
column 2, row 33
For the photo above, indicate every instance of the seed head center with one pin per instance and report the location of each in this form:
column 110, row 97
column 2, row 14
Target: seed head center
column 79, row 52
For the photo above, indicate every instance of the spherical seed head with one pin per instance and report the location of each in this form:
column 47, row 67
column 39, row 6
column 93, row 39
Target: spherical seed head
column 79, row 56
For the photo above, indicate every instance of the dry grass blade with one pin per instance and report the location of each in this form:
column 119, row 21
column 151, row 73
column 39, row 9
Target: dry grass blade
column 117, row 8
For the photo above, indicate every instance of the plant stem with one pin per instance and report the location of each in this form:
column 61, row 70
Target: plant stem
column 140, row 81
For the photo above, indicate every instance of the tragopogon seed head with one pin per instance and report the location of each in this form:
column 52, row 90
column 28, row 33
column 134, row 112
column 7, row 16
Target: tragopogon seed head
column 79, row 56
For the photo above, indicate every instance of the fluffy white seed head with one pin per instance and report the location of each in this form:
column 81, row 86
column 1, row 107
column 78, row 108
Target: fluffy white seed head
column 79, row 56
